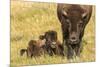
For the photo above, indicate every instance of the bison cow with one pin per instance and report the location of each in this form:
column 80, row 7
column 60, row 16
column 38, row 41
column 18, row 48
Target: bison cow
column 73, row 19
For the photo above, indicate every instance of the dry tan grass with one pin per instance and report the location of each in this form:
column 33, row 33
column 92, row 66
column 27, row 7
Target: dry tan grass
column 30, row 19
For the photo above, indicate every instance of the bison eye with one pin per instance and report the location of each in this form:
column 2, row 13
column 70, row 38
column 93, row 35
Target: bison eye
column 67, row 21
column 80, row 24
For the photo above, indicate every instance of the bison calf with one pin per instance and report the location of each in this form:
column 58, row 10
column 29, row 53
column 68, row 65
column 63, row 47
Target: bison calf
column 52, row 45
column 34, row 48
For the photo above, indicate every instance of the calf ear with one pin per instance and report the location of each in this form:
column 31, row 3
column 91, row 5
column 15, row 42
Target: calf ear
column 41, row 37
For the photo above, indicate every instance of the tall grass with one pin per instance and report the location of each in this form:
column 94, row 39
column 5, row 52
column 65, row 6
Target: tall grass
column 30, row 19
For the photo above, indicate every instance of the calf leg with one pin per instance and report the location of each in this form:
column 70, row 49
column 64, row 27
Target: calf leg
column 50, row 52
column 29, row 53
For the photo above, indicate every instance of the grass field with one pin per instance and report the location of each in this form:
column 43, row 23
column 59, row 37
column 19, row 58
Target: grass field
column 30, row 19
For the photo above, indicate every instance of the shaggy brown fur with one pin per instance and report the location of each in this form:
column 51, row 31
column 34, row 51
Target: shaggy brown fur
column 34, row 48
column 52, row 45
column 73, row 19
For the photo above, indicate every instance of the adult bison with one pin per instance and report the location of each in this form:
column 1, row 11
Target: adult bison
column 73, row 19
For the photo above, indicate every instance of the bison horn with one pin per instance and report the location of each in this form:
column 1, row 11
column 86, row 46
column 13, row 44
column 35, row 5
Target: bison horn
column 64, row 13
column 84, row 15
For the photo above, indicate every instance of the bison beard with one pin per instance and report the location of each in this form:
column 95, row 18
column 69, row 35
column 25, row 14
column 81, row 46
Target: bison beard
column 73, row 19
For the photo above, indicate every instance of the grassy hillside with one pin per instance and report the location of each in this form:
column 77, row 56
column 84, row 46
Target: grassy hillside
column 30, row 19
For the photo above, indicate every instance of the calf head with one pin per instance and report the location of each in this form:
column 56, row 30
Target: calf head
column 51, row 38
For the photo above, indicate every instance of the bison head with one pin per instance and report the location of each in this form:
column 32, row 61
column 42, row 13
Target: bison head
column 73, row 21
column 51, row 37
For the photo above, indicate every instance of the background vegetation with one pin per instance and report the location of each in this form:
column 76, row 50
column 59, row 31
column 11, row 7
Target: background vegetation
column 30, row 19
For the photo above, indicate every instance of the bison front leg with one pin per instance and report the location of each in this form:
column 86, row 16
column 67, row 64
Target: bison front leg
column 78, row 49
column 70, row 52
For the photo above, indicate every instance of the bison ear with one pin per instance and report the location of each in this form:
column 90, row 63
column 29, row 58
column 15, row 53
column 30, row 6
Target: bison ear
column 84, row 15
